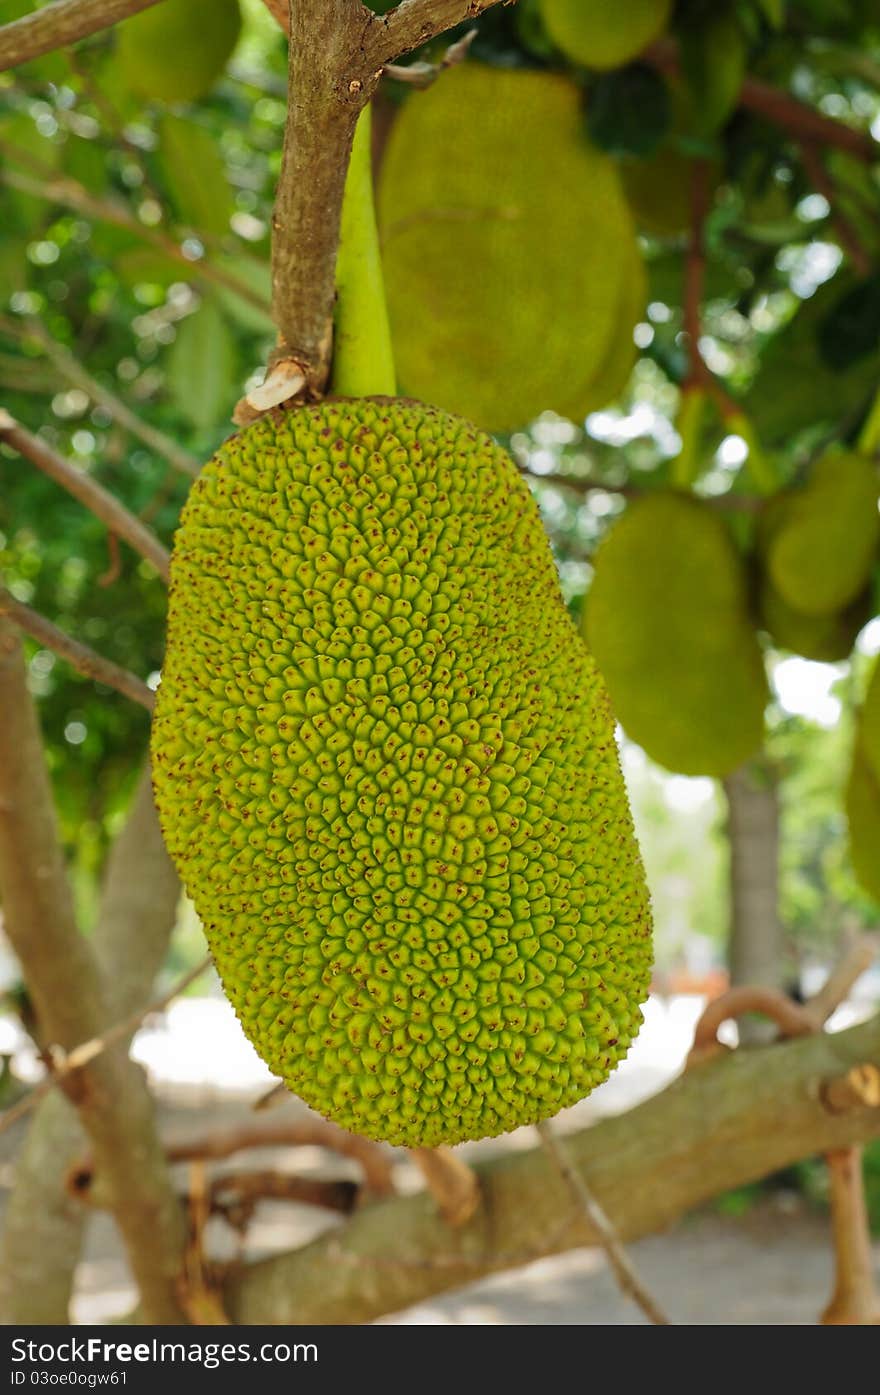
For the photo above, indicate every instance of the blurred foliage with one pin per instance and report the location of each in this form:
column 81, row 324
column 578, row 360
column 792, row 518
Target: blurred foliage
column 136, row 233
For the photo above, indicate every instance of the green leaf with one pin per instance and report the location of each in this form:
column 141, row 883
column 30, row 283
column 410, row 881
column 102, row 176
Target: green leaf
column 195, row 176
column 201, row 367
column 851, row 328
column 773, row 11
column 27, row 152
column 629, row 111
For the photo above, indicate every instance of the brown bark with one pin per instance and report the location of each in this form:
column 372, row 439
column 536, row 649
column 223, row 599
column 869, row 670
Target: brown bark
column 720, row 1126
column 80, row 656
column 63, row 978
column 56, row 26
column 337, row 53
column 756, row 955
column 96, row 499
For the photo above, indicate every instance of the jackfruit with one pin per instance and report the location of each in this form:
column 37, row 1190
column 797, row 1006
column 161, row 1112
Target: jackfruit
column 176, row 51
column 667, row 621
column 863, row 815
column 823, row 545
column 385, row 767
column 605, row 33
column 506, row 266
column 826, row 639
column 612, row 378
column 869, row 722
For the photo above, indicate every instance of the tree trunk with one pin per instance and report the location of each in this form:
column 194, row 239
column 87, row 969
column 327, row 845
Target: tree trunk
column 756, row 952
column 42, row 1230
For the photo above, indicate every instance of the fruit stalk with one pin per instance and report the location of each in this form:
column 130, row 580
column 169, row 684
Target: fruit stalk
column 363, row 360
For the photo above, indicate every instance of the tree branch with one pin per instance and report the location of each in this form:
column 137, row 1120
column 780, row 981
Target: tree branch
column 62, row 976
column 801, row 121
column 79, row 656
column 413, row 23
column 56, row 26
column 621, row 1264
column 811, row 158
column 42, row 1223
column 732, row 1122
column 337, row 52
column 70, row 368
column 96, row 499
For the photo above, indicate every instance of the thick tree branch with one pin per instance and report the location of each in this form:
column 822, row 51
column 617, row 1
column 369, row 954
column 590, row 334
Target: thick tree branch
column 731, row 1122
column 43, row 1224
column 337, row 52
column 62, row 976
column 79, row 656
column 96, row 499
column 56, row 26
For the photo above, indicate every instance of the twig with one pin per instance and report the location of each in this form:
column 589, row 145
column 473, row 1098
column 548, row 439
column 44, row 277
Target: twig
column 837, row 987
column 98, row 500
column 695, row 273
column 791, row 1018
column 620, row 1262
column 724, row 503
column 855, row 1301
column 63, row 1063
column 66, row 191
column 823, row 184
column 801, row 121
column 85, row 660
column 413, row 23
column 70, row 368
column 56, row 26
column 424, row 74
column 311, row 1132
column 454, row 1186
column 239, row 1191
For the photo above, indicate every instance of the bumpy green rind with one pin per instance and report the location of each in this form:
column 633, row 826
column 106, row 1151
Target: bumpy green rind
column 824, row 544
column 667, row 620
column 507, row 245
column 604, row 33
column 385, row 768
column 176, row 51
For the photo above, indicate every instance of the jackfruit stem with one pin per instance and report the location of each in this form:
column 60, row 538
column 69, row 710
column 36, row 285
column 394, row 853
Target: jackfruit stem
column 760, row 468
column 685, row 468
column 869, row 436
column 363, row 359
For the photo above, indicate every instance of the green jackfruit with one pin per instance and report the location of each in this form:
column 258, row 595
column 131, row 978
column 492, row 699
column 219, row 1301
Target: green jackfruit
column 506, row 270
column 869, row 722
column 863, row 814
column 826, row 639
column 176, row 51
column 385, row 767
column 605, row 33
column 824, row 543
column 667, row 621
column 615, row 373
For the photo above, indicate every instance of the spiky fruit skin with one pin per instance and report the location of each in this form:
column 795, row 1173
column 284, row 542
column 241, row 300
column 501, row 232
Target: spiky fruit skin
column 824, row 539
column 385, row 768
column 176, row 51
column 604, row 33
column 497, row 312
column 667, row 620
